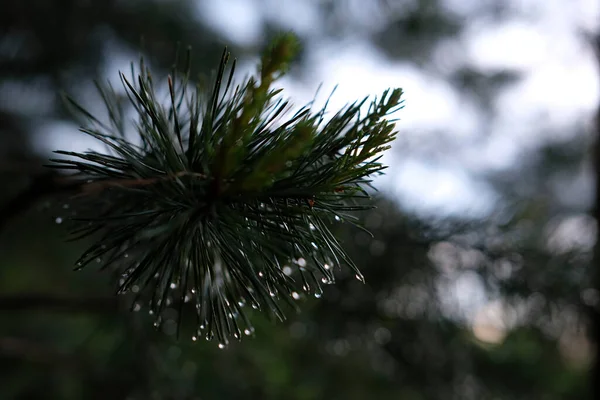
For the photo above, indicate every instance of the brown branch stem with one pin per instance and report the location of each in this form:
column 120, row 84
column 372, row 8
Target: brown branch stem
column 51, row 183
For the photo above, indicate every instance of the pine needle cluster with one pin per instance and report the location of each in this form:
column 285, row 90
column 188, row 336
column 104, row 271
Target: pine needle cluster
column 221, row 200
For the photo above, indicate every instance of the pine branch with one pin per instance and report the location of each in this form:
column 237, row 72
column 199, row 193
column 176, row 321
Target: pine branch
column 42, row 185
column 220, row 201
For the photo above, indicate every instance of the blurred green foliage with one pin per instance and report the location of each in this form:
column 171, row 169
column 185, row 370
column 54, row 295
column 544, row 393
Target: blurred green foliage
column 63, row 335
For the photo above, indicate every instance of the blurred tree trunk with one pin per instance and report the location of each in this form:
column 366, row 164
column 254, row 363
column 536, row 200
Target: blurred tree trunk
column 595, row 310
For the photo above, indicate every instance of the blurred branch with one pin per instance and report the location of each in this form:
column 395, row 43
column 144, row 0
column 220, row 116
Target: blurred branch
column 41, row 185
column 595, row 311
column 31, row 351
column 43, row 302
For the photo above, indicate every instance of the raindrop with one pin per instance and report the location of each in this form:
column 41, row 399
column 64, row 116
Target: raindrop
column 58, row 220
column 287, row 270
column 221, row 346
column 295, row 295
column 288, row 164
column 327, row 266
column 260, row 274
column 241, row 303
column 98, row 260
column 135, row 288
column 302, row 262
column 255, row 306
column 272, row 294
column 193, row 291
column 137, row 307
column 194, row 338
column 248, row 331
column 337, row 218
column 236, row 335
column 325, row 280
column 125, row 255
column 121, row 281
column 186, row 298
column 202, row 326
column 312, row 227
column 305, row 288
column 359, row 277
column 173, row 285
column 150, row 312
column 317, row 295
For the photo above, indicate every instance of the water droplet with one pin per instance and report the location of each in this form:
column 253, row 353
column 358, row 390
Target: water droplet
column 337, row 218
column 125, row 255
column 295, row 296
column 312, row 227
column 98, row 260
column 236, row 335
column 58, row 220
column 201, row 326
column 288, row 164
column 135, row 288
column 302, row 262
column 325, row 280
column 248, row 331
column 241, row 303
column 137, row 307
column 260, row 274
column 221, row 346
column 194, row 338
column 287, row 270
column 255, row 306
column 272, row 294
column 314, row 245
column 317, row 295
column 150, row 312
column 186, row 298
column 193, row 291
column 359, row 277
column 327, row 266
column 173, row 285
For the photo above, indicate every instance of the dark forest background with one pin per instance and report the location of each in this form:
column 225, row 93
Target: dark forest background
column 403, row 334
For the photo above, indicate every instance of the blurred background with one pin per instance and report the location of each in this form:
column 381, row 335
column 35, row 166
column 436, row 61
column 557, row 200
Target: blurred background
column 478, row 279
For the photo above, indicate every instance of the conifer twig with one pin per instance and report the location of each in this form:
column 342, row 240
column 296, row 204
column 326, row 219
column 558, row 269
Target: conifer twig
column 223, row 202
